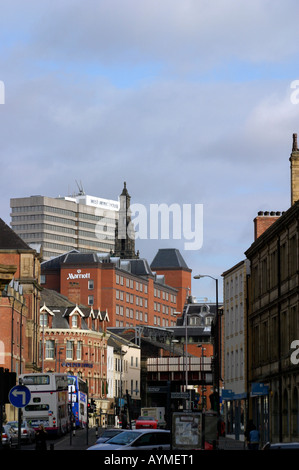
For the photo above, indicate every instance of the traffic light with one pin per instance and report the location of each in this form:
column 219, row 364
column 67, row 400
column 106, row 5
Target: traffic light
column 7, row 382
column 214, row 400
column 91, row 406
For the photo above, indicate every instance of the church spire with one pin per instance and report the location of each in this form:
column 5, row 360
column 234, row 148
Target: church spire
column 124, row 233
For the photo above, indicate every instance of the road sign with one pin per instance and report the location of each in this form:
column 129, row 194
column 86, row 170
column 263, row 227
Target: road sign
column 19, row 396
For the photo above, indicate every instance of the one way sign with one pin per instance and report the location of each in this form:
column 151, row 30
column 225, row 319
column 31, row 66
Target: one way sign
column 19, row 396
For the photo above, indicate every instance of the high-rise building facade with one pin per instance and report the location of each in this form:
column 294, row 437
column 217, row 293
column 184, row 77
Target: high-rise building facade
column 81, row 222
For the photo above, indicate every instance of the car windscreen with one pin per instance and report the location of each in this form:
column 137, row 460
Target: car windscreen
column 124, row 438
column 110, row 433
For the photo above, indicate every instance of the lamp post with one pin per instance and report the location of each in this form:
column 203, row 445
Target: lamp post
column 201, row 370
column 186, row 352
column 216, row 344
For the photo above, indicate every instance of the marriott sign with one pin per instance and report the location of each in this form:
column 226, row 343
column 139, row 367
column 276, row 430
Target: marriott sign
column 78, row 275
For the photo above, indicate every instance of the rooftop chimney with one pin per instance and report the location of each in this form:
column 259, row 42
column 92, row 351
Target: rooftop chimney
column 263, row 221
column 294, row 159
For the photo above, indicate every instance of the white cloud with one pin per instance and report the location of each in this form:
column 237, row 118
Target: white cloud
column 189, row 102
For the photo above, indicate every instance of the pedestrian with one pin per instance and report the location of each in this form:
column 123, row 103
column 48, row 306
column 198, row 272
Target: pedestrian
column 124, row 421
column 254, row 439
column 249, row 427
column 40, row 438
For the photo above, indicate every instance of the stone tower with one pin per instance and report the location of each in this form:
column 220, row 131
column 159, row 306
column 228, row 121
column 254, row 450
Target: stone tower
column 294, row 159
column 124, row 232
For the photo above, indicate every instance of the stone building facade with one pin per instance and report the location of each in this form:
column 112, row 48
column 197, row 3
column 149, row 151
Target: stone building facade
column 19, row 303
column 274, row 325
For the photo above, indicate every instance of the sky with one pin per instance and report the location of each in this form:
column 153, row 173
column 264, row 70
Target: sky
column 191, row 102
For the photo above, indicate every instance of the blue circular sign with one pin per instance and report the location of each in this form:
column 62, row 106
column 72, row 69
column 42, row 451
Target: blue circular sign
column 19, row 396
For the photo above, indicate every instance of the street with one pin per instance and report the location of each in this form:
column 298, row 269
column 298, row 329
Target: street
column 82, row 439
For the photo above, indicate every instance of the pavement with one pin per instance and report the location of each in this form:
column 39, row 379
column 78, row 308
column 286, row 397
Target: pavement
column 80, row 440
column 230, row 443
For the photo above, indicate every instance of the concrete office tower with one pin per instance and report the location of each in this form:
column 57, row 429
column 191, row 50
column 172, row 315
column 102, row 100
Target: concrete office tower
column 80, row 222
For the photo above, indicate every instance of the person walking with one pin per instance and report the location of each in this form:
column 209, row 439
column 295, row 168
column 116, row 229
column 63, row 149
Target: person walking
column 254, row 439
column 40, row 438
column 124, row 421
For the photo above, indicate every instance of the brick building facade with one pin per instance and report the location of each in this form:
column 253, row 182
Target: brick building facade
column 127, row 289
column 19, row 303
column 74, row 341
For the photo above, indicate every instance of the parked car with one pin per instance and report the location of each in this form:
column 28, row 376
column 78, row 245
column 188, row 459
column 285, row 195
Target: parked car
column 108, row 434
column 9, row 436
column 141, row 439
column 144, row 422
column 281, row 446
column 27, row 431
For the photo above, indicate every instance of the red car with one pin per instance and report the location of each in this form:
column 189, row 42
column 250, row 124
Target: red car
column 146, row 422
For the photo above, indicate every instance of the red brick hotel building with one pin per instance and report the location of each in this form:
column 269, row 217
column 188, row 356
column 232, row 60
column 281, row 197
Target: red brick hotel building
column 131, row 291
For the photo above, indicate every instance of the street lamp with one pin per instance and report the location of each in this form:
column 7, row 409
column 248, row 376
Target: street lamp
column 186, row 343
column 216, row 343
column 202, row 374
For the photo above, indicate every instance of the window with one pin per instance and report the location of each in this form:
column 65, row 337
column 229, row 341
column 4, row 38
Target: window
column 43, row 320
column 79, row 350
column 90, row 284
column 90, row 300
column 69, row 350
column 74, row 321
column 50, row 349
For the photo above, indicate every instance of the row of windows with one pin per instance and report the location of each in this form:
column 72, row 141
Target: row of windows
column 165, row 295
column 122, row 365
column 121, row 386
column 139, row 314
column 139, row 286
column 97, row 244
column 234, row 320
column 164, row 309
column 92, row 226
column 42, row 209
column 49, row 218
column 44, row 227
column 234, row 286
column 96, row 218
column 235, row 365
column 275, row 264
column 71, row 351
column 140, row 301
column 57, row 246
column 52, row 236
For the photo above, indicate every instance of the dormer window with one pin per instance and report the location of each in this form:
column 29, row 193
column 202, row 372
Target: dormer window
column 209, row 320
column 44, row 320
column 74, row 321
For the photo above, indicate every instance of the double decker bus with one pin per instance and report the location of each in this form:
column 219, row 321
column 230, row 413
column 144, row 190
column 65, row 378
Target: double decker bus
column 48, row 404
column 78, row 398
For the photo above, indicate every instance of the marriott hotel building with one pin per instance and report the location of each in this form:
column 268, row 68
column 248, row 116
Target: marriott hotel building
column 80, row 222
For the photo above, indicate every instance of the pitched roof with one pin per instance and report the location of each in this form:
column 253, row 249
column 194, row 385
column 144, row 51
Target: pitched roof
column 168, row 258
column 9, row 240
column 55, row 262
column 53, row 299
column 63, row 307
